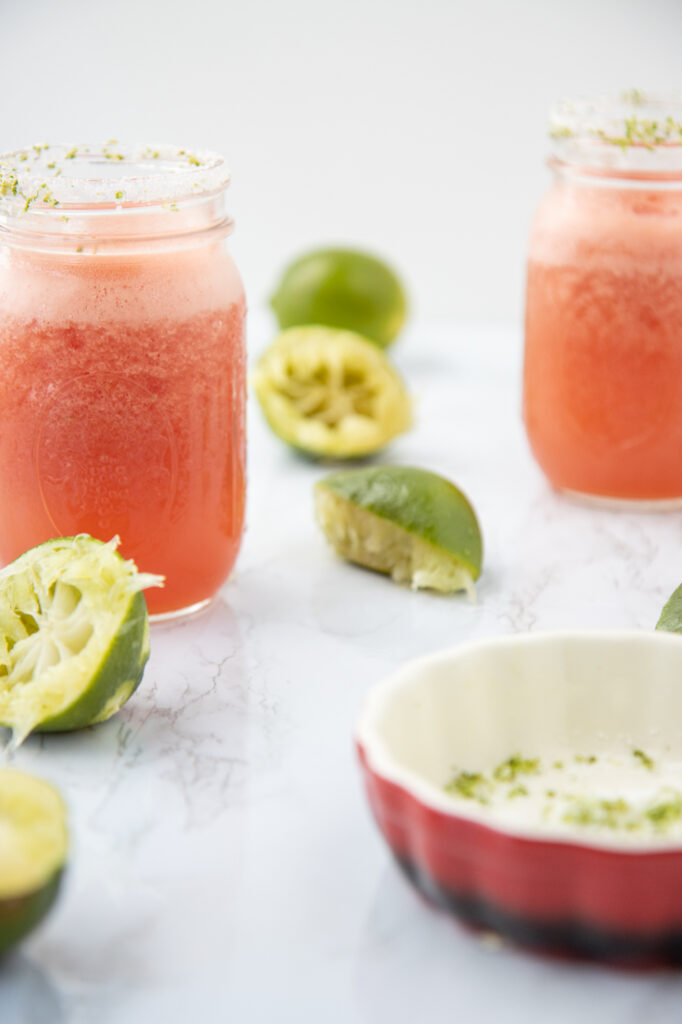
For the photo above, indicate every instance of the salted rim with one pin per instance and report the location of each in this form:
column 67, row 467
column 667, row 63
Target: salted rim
column 45, row 176
column 635, row 131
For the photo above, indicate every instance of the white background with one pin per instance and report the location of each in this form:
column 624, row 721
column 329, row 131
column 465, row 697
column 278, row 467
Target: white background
column 413, row 128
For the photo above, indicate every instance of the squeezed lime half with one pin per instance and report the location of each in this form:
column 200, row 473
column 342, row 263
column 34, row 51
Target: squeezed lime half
column 671, row 616
column 74, row 635
column 331, row 393
column 409, row 523
column 344, row 288
column 33, row 851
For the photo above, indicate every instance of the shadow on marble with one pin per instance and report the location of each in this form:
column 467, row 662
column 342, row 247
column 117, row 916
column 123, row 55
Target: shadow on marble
column 27, row 996
column 416, row 962
column 393, row 624
column 217, row 614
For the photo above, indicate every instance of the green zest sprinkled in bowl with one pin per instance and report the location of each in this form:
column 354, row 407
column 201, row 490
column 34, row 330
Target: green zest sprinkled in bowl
column 619, row 798
column 602, row 813
column 476, row 786
column 471, row 786
column 644, row 759
column 516, row 765
column 663, row 811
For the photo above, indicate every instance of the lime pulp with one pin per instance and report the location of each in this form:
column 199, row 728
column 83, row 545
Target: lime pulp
column 409, row 523
column 331, row 393
column 74, row 635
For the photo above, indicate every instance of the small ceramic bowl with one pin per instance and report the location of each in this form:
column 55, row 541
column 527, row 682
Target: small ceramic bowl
column 609, row 704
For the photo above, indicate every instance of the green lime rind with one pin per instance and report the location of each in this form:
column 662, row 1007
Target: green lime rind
column 671, row 616
column 74, row 635
column 343, row 288
column 20, row 915
column 33, row 851
column 418, row 501
column 330, row 393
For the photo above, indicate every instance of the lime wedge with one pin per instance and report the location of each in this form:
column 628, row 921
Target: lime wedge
column 413, row 525
column 342, row 288
column 74, row 635
column 330, row 393
column 671, row 616
column 33, row 849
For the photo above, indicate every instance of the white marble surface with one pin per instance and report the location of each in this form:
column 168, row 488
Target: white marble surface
column 225, row 865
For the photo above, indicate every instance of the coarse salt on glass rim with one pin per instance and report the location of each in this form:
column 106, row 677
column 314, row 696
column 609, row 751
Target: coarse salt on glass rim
column 52, row 177
column 632, row 132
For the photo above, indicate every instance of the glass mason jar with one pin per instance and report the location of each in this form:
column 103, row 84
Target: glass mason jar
column 603, row 348
column 123, row 364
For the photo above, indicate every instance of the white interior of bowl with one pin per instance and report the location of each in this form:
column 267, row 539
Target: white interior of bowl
column 556, row 697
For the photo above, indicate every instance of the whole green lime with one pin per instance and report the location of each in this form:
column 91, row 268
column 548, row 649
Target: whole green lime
column 342, row 288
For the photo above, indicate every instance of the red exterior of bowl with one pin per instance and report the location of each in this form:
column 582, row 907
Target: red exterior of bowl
column 561, row 897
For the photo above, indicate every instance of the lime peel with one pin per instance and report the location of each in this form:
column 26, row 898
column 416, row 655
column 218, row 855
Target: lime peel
column 74, row 635
column 413, row 525
column 33, row 851
column 671, row 616
column 331, row 393
column 361, row 537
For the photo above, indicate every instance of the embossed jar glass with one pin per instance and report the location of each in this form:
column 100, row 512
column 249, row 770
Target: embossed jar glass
column 603, row 358
column 123, row 365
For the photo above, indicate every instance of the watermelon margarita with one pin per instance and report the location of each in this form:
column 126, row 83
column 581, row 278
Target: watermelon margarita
column 603, row 357
column 123, row 390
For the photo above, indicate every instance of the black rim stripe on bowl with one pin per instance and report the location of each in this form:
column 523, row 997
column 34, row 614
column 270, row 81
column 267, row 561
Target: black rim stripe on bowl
column 569, row 937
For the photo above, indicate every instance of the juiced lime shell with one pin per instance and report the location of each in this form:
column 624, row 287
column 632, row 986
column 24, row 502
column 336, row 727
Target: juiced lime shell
column 33, row 851
column 410, row 523
column 671, row 616
column 74, row 635
column 330, row 393
column 342, row 288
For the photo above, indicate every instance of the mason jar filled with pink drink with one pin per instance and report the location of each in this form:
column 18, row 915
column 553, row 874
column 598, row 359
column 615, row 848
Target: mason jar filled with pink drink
column 603, row 358
column 123, row 363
